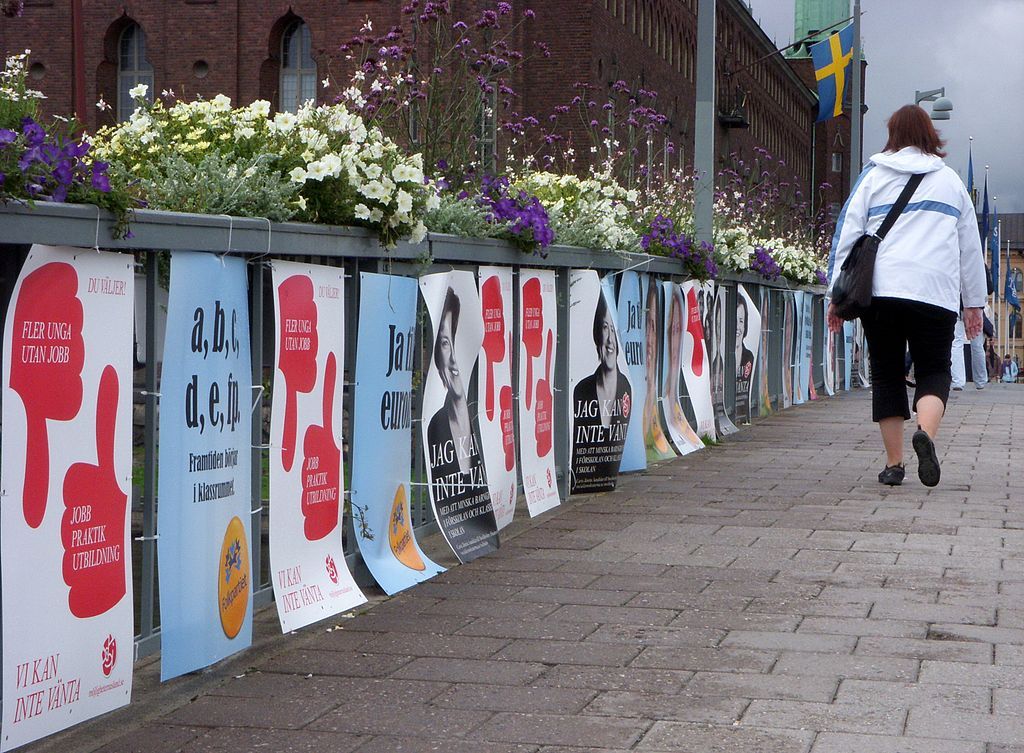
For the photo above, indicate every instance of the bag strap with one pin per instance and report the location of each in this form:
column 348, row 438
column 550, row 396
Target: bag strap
column 899, row 206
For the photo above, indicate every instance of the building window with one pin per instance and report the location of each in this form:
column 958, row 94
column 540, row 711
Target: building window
column 132, row 69
column 837, row 162
column 298, row 69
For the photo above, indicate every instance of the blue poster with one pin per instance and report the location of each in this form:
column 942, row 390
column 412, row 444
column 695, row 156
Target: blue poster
column 807, row 345
column 848, row 330
column 204, row 465
column 632, row 293
column 795, row 364
column 382, row 433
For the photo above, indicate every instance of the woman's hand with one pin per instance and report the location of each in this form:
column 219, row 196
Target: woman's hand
column 835, row 324
column 972, row 322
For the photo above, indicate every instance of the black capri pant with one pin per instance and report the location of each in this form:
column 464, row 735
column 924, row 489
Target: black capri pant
column 890, row 326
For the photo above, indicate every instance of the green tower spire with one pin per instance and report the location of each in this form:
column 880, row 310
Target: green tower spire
column 812, row 16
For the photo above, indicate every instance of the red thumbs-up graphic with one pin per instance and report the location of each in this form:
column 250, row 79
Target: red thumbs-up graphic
column 494, row 334
column 543, row 415
column 296, row 358
column 696, row 330
column 533, row 330
column 47, row 354
column 92, row 527
column 321, row 466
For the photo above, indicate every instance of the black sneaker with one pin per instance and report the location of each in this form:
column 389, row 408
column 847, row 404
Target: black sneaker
column 927, row 461
column 892, row 475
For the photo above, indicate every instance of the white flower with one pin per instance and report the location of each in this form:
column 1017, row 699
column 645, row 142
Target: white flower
column 138, row 92
column 260, row 107
column 407, row 174
column 419, row 232
column 433, row 201
column 245, row 132
column 326, row 82
column 374, row 189
column 102, row 105
column 284, row 121
column 316, row 170
column 300, row 201
column 404, row 201
column 298, row 175
column 371, row 171
column 376, row 215
column 362, row 212
column 222, row 102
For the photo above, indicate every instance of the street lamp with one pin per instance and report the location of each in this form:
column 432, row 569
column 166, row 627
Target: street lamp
column 942, row 106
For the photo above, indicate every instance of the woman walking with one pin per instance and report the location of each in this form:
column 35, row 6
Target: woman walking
column 928, row 262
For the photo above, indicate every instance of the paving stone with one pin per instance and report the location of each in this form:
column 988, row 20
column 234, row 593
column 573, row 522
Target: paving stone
column 960, row 725
column 667, row 681
column 411, row 719
column 799, row 641
column 707, row 659
column 301, row 661
column 685, row 707
column 851, row 666
column 225, row 711
column 860, row 627
column 916, row 695
column 590, row 596
column 612, row 615
column 227, row 740
column 491, row 671
column 775, row 687
column 512, row 628
column 557, row 729
column 724, row 621
column 156, row 738
column 972, row 674
column 424, row 644
column 703, row 738
column 826, row 717
column 842, row 742
column 914, row 648
column 946, row 613
column 530, row 699
column 565, row 652
column 388, row 744
column 641, row 635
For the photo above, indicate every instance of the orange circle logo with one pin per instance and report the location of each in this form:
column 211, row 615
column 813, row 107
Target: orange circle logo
column 233, row 578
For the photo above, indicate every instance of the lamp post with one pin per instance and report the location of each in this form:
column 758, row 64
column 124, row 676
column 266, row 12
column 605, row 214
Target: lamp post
column 942, row 106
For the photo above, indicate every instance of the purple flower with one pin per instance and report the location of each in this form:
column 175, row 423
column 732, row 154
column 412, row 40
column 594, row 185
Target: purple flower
column 33, row 132
column 7, row 136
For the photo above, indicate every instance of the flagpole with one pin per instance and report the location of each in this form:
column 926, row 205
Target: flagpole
column 856, row 115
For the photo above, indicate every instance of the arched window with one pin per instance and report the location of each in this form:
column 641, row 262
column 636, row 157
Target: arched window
column 132, row 69
column 298, row 69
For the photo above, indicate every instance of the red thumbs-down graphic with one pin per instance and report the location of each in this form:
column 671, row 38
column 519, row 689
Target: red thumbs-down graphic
column 47, row 355
column 543, row 415
column 494, row 334
column 321, row 466
column 296, row 358
column 92, row 527
column 696, row 330
column 533, row 330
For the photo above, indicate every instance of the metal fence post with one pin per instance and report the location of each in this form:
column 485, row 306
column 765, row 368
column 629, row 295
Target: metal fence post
column 563, row 390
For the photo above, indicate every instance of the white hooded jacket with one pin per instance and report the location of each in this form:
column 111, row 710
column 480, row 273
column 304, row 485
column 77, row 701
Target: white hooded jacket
column 933, row 252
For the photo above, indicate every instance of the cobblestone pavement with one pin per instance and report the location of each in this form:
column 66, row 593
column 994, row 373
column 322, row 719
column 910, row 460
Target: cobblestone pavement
column 763, row 596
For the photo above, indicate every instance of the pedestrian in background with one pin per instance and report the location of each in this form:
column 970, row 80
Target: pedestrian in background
column 1010, row 370
column 928, row 262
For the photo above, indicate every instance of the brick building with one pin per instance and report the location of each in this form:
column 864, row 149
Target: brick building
column 280, row 51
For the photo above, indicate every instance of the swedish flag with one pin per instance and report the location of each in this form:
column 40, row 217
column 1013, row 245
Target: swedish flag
column 832, row 62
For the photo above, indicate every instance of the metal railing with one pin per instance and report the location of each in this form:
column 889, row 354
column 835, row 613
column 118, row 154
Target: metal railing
column 356, row 251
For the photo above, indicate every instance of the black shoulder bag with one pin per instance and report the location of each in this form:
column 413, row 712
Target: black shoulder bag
column 851, row 292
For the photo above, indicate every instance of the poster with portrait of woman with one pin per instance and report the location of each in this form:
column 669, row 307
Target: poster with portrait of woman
column 655, row 439
column 456, row 471
column 764, row 404
column 680, row 433
column 829, row 338
column 788, row 343
column 716, row 349
column 748, row 338
column 632, row 336
column 602, row 396
column 537, row 344
column 694, row 361
column 497, row 428
column 807, row 347
column 848, row 333
column 796, row 358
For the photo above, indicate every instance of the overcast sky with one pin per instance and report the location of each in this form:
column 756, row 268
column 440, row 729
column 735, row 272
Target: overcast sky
column 974, row 49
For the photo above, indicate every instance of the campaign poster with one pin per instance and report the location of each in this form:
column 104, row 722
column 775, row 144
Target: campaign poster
column 684, row 439
column 382, row 433
column 764, row 403
column 497, row 426
column 307, row 563
column 796, row 357
column 718, row 302
column 457, row 475
column 205, row 465
column 807, row 346
column 602, row 396
column 67, row 467
column 861, row 357
column 788, row 344
column 695, row 362
column 656, row 440
column 748, row 338
column 632, row 329
column 830, row 354
column 848, row 335
column 537, row 343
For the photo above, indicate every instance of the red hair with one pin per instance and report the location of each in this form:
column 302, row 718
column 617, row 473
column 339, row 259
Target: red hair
column 911, row 126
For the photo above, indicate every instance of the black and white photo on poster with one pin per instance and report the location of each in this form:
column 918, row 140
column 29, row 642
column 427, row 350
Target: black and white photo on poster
column 748, row 339
column 602, row 400
column 788, row 342
column 451, row 440
column 695, row 361
column 717, row 300
column 655, row 439
column 684, row 439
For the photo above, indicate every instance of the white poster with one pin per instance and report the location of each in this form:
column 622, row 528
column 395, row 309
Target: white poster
column 789, row 308
column 497, row 427
column 602, row 396
column 831, row 352
column 796, row 362
column 632, row 332
column 848, row 334
column 451, row 440
column 307, row 563
column 67, row 476
column 537, row 344
column 695, row 362
column 718, row 295
column 682, row 436
column 748, row 338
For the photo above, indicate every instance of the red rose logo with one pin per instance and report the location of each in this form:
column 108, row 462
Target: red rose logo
column 332, row 570
column 109, row 655
column 549, row 478
column 627, row 404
